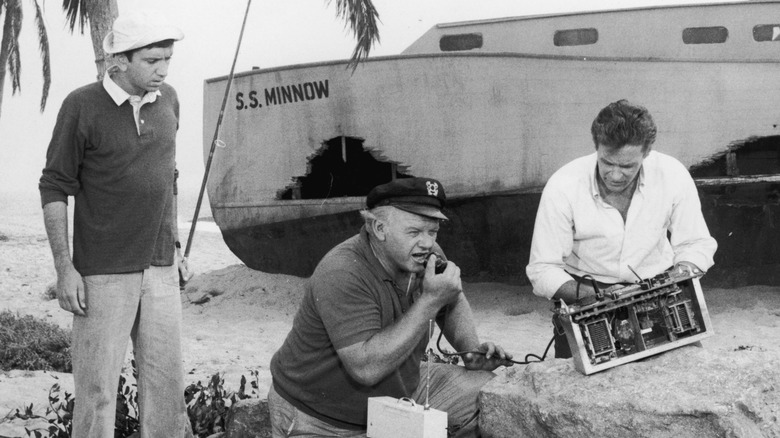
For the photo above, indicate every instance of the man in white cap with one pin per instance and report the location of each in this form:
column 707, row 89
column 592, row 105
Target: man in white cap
column 113, row 150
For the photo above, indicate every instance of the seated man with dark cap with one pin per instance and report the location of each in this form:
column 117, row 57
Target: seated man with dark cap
column 362, row 326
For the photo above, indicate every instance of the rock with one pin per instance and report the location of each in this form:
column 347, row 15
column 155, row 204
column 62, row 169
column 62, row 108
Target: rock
column 16, row 428
column 248, row 418
column 686, row 392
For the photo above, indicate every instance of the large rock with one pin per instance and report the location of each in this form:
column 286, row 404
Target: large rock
column 248, row 418
column 686, row 392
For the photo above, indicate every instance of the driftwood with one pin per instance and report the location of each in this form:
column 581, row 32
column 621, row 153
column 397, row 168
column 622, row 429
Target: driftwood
column 737, row 180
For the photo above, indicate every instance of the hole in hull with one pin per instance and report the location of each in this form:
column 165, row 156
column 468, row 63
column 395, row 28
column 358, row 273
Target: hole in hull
column 342, row 167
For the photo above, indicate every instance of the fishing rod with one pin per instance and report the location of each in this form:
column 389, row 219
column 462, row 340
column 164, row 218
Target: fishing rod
column 216, row 141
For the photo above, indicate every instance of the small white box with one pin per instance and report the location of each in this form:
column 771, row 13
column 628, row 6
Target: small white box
column 390, row 417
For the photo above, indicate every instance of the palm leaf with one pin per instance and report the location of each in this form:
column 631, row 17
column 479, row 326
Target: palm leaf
column 9, row 45
column 361, row 16
column 14, row 57
column 43, row 48
column 76, row 10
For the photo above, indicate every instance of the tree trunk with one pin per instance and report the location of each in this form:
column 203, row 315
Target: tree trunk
column 101, row 14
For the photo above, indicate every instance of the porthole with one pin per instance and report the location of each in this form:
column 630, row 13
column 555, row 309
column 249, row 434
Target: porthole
column 459, row 42
column 766, row 32
column 575, row 37
column 705, row 35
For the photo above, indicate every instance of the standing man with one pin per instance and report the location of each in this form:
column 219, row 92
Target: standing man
column 113, row 150
column 363, row 324
column 623, row 207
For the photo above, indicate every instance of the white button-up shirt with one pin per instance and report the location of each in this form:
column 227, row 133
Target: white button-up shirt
column 577, row 232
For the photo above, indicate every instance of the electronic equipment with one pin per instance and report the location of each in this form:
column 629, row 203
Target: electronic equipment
column 628, row 323
column 441, row 264
column 389, row 417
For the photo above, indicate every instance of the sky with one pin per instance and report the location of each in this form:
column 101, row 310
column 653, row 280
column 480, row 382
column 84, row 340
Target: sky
column 278, row 33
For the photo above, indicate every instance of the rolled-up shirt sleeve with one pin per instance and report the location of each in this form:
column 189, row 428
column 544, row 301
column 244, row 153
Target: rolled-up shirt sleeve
column 60, row 176
column 689, row 236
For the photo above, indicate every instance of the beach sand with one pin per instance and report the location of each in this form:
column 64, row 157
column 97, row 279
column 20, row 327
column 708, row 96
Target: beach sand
column 235, row 318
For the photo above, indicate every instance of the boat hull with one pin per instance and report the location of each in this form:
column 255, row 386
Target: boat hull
column 489, row 238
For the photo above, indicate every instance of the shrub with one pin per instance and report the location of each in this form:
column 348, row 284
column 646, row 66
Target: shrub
column 59, row 415
column 28, row 343
column 207, row 408
column 126, row 422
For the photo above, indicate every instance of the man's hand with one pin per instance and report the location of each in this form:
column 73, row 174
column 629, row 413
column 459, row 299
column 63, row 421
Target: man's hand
column 686, row 268
column 488, row 357
column 70, row 291
column 185, row 272
column 445, row 287
column 572, row 292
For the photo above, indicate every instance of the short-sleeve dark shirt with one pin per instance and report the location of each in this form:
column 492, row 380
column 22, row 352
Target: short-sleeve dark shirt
column 348, row 299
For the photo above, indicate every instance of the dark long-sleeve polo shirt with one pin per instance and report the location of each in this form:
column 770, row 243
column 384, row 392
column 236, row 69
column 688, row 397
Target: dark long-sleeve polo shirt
column 122, row 182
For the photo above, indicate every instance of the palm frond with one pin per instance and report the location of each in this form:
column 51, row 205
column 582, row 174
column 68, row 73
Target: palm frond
column 76, row 10
column 9, row 45
column 43, row 48
column 15, row 69
column 361, row 16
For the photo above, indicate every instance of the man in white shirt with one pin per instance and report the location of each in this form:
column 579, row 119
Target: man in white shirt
column 622, row 210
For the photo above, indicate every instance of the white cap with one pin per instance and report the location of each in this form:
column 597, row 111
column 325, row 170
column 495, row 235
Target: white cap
column 139, row 29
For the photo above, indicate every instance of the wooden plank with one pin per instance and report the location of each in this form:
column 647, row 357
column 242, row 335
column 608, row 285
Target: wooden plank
column 737, row 180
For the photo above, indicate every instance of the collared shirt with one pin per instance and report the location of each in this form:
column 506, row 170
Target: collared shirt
column 119, row 97
column 348, row 299
column 121, row 182
column 577, row 232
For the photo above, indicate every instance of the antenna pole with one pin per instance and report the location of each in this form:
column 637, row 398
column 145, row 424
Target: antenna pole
column 216, row 136
column 427, row 405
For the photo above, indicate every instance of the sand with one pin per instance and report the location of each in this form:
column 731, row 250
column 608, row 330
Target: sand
column 235, row 318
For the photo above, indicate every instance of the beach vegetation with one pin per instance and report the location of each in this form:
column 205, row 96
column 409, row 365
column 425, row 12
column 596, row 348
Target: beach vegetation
column 207, row 407
column 58, row 416
column 57, row 420
column 29, row 343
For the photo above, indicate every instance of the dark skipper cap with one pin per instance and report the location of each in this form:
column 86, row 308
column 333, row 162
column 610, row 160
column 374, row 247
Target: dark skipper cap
column 423, row 196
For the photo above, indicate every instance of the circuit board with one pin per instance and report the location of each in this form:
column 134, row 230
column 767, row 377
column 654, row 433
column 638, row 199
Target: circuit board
column 636, row 321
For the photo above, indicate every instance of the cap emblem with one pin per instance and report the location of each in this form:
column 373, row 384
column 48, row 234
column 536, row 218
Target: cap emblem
column 433, row 188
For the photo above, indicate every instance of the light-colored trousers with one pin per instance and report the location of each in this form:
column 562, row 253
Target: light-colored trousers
column 453, row 389
column 146, row 307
